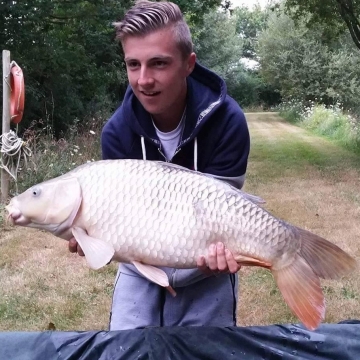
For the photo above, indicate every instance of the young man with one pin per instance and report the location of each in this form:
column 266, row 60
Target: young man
column 178, row 111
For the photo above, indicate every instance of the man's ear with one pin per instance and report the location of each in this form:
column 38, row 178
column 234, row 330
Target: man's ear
column 191, row 63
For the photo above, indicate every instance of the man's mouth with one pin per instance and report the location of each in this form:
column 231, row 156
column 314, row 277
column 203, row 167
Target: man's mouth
column 150, row 93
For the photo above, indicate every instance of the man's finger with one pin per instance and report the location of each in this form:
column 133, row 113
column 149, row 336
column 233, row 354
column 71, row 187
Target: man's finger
column 72, row 245
column 220, row 257
column 231, row 262
column 201, row 264
column 212, row 259
column 75, row 247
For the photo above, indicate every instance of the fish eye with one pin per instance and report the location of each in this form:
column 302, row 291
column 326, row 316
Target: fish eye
column 36, row 191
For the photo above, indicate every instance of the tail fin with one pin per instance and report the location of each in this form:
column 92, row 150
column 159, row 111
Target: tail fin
column 299, row 282
column 326, row 259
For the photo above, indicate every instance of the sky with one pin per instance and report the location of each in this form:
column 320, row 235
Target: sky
column 248, row 3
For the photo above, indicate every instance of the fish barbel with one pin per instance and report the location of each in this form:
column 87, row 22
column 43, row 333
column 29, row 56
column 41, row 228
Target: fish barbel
column 157, row 214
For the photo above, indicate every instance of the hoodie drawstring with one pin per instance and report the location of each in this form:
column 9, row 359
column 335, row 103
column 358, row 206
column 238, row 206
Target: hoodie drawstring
column 143, row 148
column 195, row 154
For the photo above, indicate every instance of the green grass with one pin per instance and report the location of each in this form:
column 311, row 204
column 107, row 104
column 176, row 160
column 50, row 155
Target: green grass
column 291, row 155
column 292, row 158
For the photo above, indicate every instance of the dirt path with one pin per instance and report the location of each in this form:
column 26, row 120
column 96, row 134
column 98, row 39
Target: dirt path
column 304, row 179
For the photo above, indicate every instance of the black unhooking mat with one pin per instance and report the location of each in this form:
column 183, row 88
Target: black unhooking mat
column 330, row 341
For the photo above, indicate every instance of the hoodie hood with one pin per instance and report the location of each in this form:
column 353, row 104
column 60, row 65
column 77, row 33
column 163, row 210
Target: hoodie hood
column 205, row 93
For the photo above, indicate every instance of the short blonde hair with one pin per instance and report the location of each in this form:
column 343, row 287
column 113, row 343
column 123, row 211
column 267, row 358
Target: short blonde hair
column 148, row 16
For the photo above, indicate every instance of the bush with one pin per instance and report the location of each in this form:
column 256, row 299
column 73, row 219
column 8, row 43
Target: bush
column 291, row 110
column 330, row 121
column 335, row 124
column 249, row 90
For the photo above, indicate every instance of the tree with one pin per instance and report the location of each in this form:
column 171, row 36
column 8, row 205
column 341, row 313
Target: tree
column 320, row 11
column 216, row 43
column 249, row 23
column 301, row 66
column 219, row 47
column 68, row 55
column 73, row 66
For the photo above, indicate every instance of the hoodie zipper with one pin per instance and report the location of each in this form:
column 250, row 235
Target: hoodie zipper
column 162, row 154
column 169, row 161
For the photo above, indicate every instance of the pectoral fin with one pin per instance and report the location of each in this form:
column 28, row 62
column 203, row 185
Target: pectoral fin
column 155, row 275
column 97, row 252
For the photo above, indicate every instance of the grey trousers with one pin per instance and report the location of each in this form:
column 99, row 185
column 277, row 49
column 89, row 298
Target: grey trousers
column 200, row 300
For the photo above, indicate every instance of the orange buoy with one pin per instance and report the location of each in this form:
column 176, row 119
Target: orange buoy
column 17, row 97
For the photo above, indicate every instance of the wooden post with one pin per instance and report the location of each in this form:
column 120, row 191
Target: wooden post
column 5, row 119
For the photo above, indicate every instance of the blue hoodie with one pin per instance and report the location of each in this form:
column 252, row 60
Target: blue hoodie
column 215, row 139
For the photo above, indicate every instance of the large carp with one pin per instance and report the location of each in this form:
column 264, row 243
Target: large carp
column 157, row 214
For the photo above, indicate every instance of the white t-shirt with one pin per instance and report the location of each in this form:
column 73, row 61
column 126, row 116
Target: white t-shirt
column 170, row 140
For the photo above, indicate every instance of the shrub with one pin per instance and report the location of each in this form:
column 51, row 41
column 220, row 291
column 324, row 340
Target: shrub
column 330, row 121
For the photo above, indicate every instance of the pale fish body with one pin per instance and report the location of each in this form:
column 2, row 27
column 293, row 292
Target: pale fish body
column 152, row 213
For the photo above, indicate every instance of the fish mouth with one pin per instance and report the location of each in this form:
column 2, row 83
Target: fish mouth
column 15, row 217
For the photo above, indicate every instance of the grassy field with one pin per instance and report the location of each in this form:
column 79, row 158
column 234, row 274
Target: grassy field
column 304, row 179
column 311, row 183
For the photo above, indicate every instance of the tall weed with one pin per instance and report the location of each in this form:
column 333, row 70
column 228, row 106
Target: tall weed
column 330, row 121
column 291, row 110
column 53, row 157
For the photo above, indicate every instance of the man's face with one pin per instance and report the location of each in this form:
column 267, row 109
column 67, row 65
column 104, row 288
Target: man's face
column 157, row 71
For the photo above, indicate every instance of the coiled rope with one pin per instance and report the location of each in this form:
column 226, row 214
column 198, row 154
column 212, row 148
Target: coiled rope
column 13, row 149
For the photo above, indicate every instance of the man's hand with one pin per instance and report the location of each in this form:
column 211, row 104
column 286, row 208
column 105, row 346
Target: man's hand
column 220, row 261
column 75, row 247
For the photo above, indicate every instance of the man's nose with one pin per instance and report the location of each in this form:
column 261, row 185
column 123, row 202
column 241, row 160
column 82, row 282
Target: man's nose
column 145, row 77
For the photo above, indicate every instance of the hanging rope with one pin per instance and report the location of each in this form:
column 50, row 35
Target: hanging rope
column 13, row 149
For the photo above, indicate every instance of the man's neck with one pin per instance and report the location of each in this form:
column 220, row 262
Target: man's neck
column 169, row 122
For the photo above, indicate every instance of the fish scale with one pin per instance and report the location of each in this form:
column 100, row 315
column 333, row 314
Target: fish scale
column 158, row 214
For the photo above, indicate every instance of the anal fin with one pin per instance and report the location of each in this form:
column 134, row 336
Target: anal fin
column 155, row 275
column 249, row 261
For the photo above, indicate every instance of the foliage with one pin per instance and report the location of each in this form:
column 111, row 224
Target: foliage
column 291, row 110
column 216, row 43
column 72, row 64
column 244, row 86
column 219, row 46
column 249, row 89
column 295, row 61
column 53, row 157
column 249, row 23
column 316, row 12
column 330, row 121
column 333, row 123
column 68, row 55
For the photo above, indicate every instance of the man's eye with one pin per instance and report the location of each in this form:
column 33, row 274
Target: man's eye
column 132, row 64
column 160, row 63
